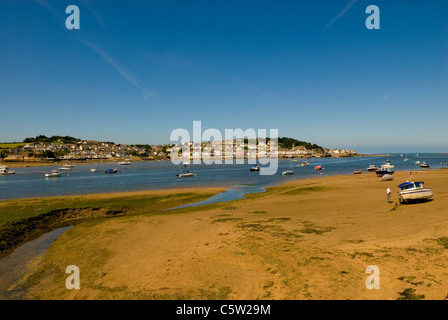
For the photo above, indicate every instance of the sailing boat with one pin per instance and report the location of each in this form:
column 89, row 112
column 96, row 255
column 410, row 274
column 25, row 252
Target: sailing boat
column 186, row 173
column 289, row 171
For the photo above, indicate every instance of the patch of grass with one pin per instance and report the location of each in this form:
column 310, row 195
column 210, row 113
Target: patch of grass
column 226, row 220
column 11, row 145
column 410, row 280
column 301, row 190
column 307, row 261
column 252, row 226
column 365, row 254
column 220, row 215
column 268, row 285
column 310, row 228
column 354, row 241
column 443, row 241
column 278, row 219
column 409, row 294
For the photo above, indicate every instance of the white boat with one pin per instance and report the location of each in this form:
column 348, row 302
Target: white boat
column 424, row 165
column 93, row 170
column 417, row 162
column 126, row 162
column 411, row 191
column 185, row 174
column 5, row 171
column 387, row 177
column 67, row 166
column 372, row 168
column 289, row 171
column 387, row 166
column 305, row 164
column 53, row 174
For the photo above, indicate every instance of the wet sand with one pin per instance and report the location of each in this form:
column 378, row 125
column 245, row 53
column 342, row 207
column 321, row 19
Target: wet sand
column 308, row 239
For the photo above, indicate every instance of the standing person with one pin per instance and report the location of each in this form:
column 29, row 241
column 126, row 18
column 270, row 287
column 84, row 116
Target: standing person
column 388, row 195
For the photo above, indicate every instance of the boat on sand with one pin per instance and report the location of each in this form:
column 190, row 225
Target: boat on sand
column 387, row 177
column 413, row 191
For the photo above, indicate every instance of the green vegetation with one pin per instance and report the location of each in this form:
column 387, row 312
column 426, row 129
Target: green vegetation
column 442, row 241
column 410, row 280
column 408, row 294
column 52, row 139
column 288, row 143
column 310, row 228
column 22, row 219
column 7, row 146
column 303, row 190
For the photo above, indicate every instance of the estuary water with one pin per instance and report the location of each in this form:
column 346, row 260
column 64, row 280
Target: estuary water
column 30, row 182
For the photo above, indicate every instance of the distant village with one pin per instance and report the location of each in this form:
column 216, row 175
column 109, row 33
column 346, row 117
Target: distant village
column 58, row 148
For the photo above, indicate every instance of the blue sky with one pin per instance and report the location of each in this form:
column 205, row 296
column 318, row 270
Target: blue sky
column 136, row 70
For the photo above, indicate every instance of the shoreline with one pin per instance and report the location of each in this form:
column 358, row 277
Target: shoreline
column 205, row 186
column 31, row 164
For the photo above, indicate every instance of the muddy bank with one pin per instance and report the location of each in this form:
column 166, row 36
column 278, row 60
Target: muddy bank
column 14, row 234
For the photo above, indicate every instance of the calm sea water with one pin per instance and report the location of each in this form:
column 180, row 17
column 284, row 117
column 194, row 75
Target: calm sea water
column 30, row 182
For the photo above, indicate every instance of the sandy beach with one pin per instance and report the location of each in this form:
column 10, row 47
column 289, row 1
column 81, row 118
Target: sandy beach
column 307, row 239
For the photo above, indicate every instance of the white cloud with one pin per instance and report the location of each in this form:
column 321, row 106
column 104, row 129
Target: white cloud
column 349, row 5
column 106, row 56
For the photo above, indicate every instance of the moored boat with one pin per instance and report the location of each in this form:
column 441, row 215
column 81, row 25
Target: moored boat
column 424, row 165
column 53, row 174
column 383, row 171
column 126, row 162
column 357, row 172
column 318, row 168
column 185, row 174
column 6, row 171
column 412, row 191
column 387, row 165
column 255, row 168
column 289, row 171
column 112, row 170
column 372, row 168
